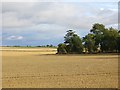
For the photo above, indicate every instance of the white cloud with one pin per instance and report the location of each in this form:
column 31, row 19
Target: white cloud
column 14, row 37
column 11, row 19
column 64, row 14
column 46, row 20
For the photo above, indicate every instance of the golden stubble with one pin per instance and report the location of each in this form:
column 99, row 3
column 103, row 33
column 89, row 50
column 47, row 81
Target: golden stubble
column 37, row 69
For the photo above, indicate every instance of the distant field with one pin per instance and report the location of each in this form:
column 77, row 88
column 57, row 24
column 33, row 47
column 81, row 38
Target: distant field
column 25, row 50
column 32, row 68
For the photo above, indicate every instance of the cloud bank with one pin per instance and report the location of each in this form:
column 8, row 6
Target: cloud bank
column 46, row 22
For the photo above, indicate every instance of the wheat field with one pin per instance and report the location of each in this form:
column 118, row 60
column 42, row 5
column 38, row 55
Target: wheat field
column 35, row 68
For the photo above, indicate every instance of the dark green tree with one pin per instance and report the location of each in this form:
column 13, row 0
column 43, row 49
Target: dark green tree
column 109, row 40
column 118, row 44
column 89, row 43
column 105, row 38
column 61, row 49
column 73, row 42
column 98, row 30
column 100, row 39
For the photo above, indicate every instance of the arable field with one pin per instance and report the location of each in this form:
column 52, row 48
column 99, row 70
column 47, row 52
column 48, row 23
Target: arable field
column 35, row 68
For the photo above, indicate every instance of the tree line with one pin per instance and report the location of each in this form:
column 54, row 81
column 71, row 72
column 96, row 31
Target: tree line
column 29, row 46
column 99, row 40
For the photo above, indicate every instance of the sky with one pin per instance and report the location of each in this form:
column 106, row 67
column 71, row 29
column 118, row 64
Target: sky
column 42, row 23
